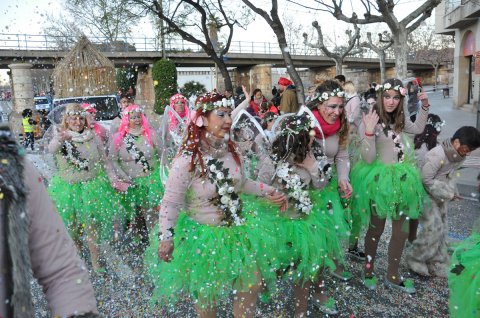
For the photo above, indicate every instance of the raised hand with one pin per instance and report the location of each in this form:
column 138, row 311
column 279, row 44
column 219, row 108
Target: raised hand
column 370, row 121
column 422, row 96
column 247, row 94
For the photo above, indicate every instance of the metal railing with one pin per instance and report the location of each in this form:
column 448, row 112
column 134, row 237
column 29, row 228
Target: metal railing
column 145, row 44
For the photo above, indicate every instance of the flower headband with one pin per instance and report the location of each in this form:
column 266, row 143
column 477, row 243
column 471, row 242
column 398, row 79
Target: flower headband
column 387, row 86
column 89, row 107
column 326, row 95
column 436, row 124
column 298, row 124
column 137, row 110
column 76, row 113
column 205, row 103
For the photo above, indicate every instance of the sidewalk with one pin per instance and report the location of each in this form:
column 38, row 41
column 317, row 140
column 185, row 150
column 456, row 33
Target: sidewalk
column 454, row 119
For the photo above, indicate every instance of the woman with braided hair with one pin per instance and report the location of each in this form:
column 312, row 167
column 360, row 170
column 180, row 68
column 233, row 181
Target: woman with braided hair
column 207, row 239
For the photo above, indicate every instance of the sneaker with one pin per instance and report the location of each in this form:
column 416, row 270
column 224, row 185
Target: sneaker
column 328, row 308
column 406, row 286
column 356, row 254
column 345, row 276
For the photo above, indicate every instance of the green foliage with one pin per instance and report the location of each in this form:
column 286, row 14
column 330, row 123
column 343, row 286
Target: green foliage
column 192, row 88
column 126, row 77
column 164, row 74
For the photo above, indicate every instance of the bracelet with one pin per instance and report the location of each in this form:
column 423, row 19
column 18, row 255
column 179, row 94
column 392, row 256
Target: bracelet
column 369, row 135
column 425, row 108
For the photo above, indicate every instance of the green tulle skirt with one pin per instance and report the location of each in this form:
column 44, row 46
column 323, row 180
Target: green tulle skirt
column 91, row 203
column 393, row 189
column 147, row 193
column 464, row 279
column 210, row 262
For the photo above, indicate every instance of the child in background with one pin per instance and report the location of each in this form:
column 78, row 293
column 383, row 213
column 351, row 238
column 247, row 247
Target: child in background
column 28, row 123
column 428, row 255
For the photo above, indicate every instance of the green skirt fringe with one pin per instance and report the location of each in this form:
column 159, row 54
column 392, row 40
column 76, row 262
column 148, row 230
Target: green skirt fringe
column 91, row 203
column 147, row 193
column 392, row 189
column 209, row 262
column 464, row 279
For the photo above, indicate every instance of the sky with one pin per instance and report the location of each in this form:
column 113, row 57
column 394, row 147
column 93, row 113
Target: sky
column 27, row 17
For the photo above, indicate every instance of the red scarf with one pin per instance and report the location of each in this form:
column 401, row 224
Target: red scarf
column 255, row 107
column 328, row 129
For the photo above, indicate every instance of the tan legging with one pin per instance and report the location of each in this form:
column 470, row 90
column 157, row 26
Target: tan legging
column 395, row 247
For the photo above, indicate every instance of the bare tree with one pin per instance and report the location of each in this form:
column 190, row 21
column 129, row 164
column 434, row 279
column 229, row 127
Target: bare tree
column 62, row 31
column 432, row 48
column 110, row 20
column 381, row 11
column 274, row 22
column 341, row 53
column 193, row 21
column 384, row 42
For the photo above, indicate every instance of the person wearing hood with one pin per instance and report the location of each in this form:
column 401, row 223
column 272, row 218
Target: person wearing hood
column 179, row 103
column 288, row 101
column 428, row 255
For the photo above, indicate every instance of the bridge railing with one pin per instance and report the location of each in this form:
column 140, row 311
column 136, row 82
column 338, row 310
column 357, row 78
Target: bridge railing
column 146, row 44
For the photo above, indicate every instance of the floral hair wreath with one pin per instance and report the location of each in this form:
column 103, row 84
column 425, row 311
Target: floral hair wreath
column 76, row 113
column 387, row 86
column 326, row 95
column 297, row 124
column 436, row 124
column 177, row 97
column 132, row 111
column 205, row 102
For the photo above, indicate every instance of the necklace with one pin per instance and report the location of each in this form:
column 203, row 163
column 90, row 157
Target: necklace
column 137, row 154
column 296, row 189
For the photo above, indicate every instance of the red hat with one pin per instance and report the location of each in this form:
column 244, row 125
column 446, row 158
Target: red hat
column 284, row 81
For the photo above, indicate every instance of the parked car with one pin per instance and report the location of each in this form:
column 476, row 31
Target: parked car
column 107, row 106
column 43, row 103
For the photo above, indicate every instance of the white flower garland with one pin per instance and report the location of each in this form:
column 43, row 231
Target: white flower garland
column 295, row 188
column 326, row 95
column 402, row 90
column 437, row 125
column 324, row 166
column 399, row 147
column 228, row 200
column 135, row 153
column 72, row 156
column 230, row 103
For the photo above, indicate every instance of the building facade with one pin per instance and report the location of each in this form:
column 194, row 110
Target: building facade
column 461, row 18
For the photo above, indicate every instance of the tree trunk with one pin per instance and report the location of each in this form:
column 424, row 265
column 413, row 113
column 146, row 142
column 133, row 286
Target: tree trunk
column 381, row 57
column 292, row 72
column 338, row 66
column 435, row 67
column 224, row 71
column 401, row 52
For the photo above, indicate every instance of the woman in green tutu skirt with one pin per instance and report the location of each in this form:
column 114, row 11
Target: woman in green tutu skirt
column 80, row 189
column 307, row 241
column 386, row 182
column 134, row 152
column 207, row 239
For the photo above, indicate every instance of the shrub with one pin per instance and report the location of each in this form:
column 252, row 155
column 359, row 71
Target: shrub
column 192, row 88
column 126, row 78
column 164, row 74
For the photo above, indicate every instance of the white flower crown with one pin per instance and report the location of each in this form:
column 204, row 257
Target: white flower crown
column 76, row 113
column 137, row 110
column 230, row 103
column 436, row 124
column 326, row 95
column 402, row 90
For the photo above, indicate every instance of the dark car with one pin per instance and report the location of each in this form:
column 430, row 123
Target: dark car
column 107, row 106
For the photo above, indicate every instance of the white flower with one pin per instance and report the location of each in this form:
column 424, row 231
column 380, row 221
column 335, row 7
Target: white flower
column 213, row 168
column 220, row 175
column 225, row 200
column 325, row 96
column 230, row 189
column 221, row 191
column 387, row 86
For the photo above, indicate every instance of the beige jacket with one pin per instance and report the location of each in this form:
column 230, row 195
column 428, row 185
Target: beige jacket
column 53, row 256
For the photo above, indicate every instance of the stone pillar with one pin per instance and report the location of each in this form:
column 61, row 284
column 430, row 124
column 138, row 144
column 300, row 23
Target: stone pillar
column 261, row 77
column 22, row 89
column 145, row 96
